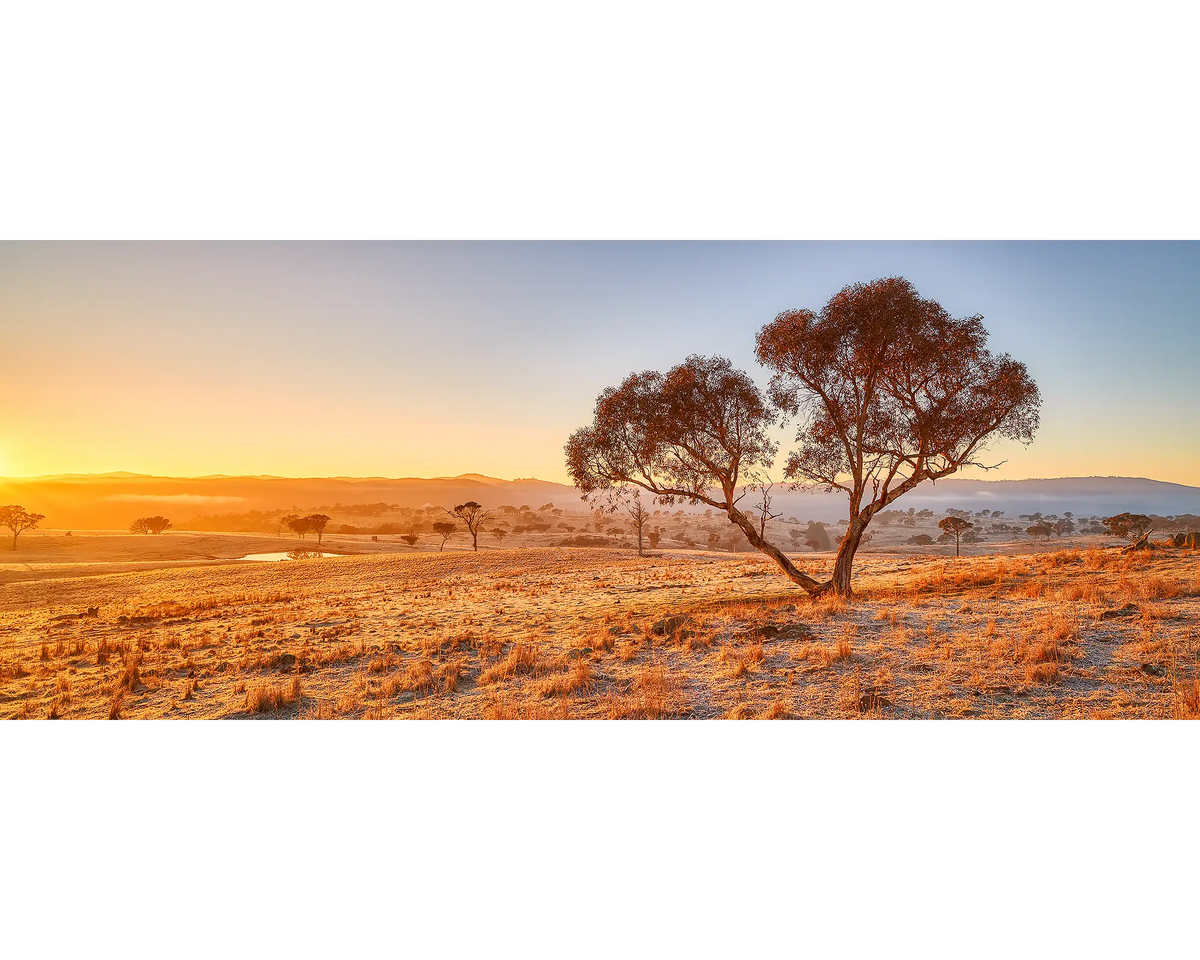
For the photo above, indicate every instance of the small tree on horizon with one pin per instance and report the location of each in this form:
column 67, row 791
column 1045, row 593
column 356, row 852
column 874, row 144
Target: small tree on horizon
column 317, row 522
column 155, row 525
column 956, row 526
column 638, row 517
column 410, row 539
column 1040, row 529
column 299, row 526
column 18, row 520
column 473, row 515
column 444, row 529
column 1133, row 527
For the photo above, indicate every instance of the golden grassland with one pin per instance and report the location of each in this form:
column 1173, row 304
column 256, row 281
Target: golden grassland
column 582, row 633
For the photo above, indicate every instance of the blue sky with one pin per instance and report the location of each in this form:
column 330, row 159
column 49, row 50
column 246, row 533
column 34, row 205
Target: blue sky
column 419, row 359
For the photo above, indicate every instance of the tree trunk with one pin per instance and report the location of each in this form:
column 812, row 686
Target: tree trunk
column 956, row 553
column 789, row 569
column 640, row 542
column 844, row 564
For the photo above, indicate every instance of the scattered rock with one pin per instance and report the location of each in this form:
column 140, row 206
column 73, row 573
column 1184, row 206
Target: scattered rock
column 286, row 662
column 1190, row 540
column 1152, row 669
column 1129, row 610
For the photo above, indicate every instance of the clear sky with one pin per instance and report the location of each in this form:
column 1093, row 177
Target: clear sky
column 434, row 359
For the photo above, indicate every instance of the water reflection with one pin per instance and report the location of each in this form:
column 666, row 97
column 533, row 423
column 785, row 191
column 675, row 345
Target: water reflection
column 289, row 555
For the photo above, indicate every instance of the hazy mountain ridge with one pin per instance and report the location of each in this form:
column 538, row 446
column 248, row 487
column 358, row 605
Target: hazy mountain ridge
column 112, row 500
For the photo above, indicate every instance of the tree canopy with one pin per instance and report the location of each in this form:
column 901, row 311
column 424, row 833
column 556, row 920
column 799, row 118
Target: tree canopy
column 887, row 390
column 317, row 523
column 473, row 515
column 1128, row 526
column 956, row 527
column 155, row 525
column 18, row 520
column 444, row 529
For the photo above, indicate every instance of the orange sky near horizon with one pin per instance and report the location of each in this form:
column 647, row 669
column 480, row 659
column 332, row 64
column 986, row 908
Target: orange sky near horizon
column 425, row 360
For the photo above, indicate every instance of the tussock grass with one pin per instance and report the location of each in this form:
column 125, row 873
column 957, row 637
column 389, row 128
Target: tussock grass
column 269, row 697
column 653, row 695
column 522, row 659
column 952, row 632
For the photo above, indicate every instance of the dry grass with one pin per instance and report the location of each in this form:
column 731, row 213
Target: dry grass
column 270, row 697
column 556, row 634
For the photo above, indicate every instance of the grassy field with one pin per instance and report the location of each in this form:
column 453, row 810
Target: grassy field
column 580, row 633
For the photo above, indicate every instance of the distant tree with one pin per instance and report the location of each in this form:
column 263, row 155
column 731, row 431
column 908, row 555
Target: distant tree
column 154, row 525
column 499, row 534
column 410, row 539
column 287, row 520
column 444, row 529
column 921, row 540
column 1133, row 527
column 1040, row 529
column 473, row 515
column 18, row 520
column 1064, row 527
column 653, row 537
column 299, row 526
column 714, row 541
column 818, row 535
column 316, row 522
column 637, row 518
column 956, row 526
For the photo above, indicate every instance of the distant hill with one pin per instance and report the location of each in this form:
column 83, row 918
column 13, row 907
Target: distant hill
column 111, row 501
column 1083, row 496
column 107, row 501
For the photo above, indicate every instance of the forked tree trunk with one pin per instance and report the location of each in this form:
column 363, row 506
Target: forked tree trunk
column 798, row 577
column 842, row 567
column 844, row 564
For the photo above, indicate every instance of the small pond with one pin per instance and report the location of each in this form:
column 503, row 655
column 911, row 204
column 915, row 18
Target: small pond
column 288, row 555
